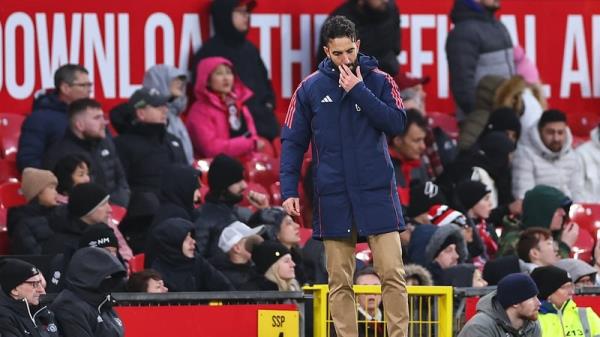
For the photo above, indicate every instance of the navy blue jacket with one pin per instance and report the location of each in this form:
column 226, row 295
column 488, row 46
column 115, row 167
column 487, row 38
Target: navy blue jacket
column 353, row 174
column 45, row 126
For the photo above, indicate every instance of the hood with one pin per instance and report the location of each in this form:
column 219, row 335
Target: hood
column 221, row 11
column 421, row 274
column 205, row 68
column 178, row 184
column 535, row 141
column 539, row 206
column 464, row 10
column 48, row 100
column 168, row 239
column 160, row 77
column 437, row 240
column 91, row 266
column 366, row 63
column 490, row 306
column 418, row 241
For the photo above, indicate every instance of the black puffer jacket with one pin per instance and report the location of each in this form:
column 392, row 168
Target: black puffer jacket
column 239, row 275
column 31, row 234
column 67, row 233
column 85, row 308
column 19, row 319
column 179, row 272
column 231, row 44
column 105, row 169
column 478, row 45
column 378, row 32
column 145, row 151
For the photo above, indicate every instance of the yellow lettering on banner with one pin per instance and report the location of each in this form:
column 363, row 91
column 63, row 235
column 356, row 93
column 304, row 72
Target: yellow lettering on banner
column 278, row 323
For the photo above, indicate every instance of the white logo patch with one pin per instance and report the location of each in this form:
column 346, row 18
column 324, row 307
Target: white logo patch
column 52, row 327
column 104, row 153
column 174, row 143
column 99, row 319
column 357, row 107
column 118, row 321
column 327, row 99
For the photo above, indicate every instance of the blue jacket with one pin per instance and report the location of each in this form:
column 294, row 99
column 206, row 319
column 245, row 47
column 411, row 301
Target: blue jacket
column 45, row 126
column 353, row 174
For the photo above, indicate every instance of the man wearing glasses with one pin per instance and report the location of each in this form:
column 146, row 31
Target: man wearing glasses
column 22, row 285
column 48, row 121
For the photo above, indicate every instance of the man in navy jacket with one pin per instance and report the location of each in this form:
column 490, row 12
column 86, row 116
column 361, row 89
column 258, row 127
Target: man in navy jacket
column 345, row 110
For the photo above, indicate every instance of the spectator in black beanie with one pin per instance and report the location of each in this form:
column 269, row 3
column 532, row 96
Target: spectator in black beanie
column 472, row 198
column 422, row 197
column 504, row 120
column 510, row 310
column 275, row 266
column 88, row 205
column 227, row 186
column 21, row 285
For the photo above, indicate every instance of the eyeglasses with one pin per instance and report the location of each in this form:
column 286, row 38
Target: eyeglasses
column 34, row 284
column 84, row 85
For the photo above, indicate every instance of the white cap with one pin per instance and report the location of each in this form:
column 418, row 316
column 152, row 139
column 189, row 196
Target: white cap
column 236, row 231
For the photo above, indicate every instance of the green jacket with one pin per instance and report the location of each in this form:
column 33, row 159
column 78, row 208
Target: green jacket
column 568, row 321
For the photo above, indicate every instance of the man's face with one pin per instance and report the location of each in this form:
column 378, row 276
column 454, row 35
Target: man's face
column 483, row 207
column 528, row 309
column 557, row 219
column 80, row 88
column 92, row 124
column 562, row 294
column 156, row 287
column 448, row 257
column 492, row 5
column 238, row 188
column 188, row 247
column 376, row 5
column 153, row 114
column 31, row 290
column 240, row 17
column 343, row 50
column 545, row 254
column 554, row 135
column 411, row 146
column 369, row 302
column 101, row 214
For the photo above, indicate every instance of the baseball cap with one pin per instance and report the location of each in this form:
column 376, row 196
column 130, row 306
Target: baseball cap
column 147, row 96
column 236, row 231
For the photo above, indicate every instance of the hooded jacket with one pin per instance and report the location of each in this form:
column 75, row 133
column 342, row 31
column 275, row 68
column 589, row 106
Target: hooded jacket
column 353, row 173
column 18, row 319
column 106, row 168
column 42, row 128
column 567, row 321
column 179, row 183
column 159, row 77
column 182, row 273
column 378, row 32
column 231, row 44
column 478, row 45
column 534, row 164
column 589, row 161
column 208, row 119
column 491, row 321
column 84, row 309
column 145, row 150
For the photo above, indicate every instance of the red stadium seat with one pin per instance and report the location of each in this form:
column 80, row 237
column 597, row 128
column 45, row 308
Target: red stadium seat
column 118, row 213
column 305, row 234
column 8, row 170
column 262, row 170
column 446, row 122
column 581, row 123
column 275, row 190
column 4, row 242
column 203, row 165
column 10, row 131
column 267, row 148
column 10, row 194
column 136, row 263
column 277, row 147
column 587, row 216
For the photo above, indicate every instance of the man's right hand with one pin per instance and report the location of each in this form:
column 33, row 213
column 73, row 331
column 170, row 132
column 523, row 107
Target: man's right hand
column 292, row 206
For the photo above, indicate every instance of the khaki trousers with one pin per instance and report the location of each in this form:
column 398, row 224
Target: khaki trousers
column 387, row 257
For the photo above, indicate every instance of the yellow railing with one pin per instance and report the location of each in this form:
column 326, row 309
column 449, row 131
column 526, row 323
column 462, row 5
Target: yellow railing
column 430, row 310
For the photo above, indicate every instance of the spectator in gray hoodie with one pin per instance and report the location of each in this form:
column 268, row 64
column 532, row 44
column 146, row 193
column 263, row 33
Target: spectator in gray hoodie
column 171, row 82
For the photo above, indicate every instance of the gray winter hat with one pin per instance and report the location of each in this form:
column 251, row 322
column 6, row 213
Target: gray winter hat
column 576, row 268
column 442, row 235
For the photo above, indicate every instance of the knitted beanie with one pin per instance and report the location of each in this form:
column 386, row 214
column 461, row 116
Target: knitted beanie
column 469, row 193
column 515, row 288
column 14, row 272
column 266, row 254
column 35, row 180
column 224, row 171
column 85, row 198
column 548, row 279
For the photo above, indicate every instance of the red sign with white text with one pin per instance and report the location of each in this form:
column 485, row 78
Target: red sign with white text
column 118, row 40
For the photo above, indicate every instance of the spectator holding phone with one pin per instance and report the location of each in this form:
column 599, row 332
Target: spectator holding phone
column 219, row 121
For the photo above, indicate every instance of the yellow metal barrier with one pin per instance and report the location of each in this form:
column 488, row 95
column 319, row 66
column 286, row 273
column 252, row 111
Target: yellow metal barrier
column 430, row 310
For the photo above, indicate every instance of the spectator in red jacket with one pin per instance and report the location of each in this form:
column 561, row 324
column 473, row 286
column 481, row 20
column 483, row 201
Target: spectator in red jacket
column 219, row 121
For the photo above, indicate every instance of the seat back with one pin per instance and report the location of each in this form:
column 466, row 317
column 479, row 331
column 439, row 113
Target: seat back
column 10, row 131
column 11, row 195
column 136, row 263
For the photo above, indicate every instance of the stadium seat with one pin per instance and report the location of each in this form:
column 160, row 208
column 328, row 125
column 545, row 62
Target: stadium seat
column 581, row 123
column 277, row 147
column 587, row 216
column 275, row 190
column 10, row 131
column 4, row 241
column 136, row 263
column 305, row 234
column 8, row 170
column 118, row 213
column 262, row 170
column 10, row 194
column 446, row 122
column 267, row 148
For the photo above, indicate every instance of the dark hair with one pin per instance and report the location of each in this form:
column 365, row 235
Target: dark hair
column 368, row 270
column 66, row 74
column 529, row 239
column 336, row 27
column 551, row 116
column 138, row 282
column 414, row 116
column 64, row 168
column 78, row 106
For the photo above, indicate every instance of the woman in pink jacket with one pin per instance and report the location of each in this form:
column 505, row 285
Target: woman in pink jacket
column 219, row 121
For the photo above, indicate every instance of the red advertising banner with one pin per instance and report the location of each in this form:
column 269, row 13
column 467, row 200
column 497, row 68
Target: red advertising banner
column 194, row 320
column 118, row 40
